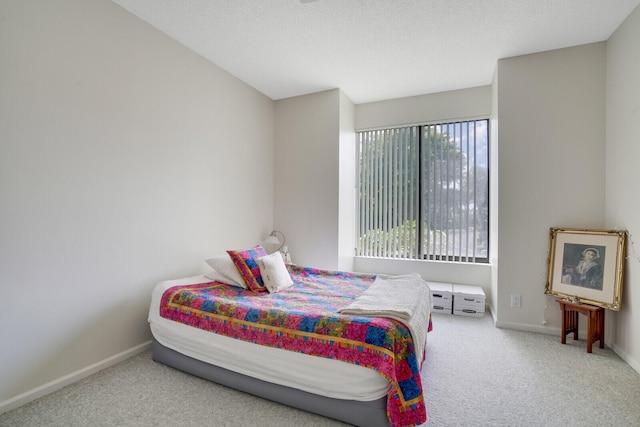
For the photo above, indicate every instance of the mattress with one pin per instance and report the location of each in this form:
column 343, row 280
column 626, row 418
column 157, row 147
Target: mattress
column 356, row 412
column 317, row 375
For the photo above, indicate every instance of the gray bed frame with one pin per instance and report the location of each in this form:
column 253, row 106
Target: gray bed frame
column 359, row 413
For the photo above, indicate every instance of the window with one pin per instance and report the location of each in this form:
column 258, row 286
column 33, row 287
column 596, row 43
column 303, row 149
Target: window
column 424, row 192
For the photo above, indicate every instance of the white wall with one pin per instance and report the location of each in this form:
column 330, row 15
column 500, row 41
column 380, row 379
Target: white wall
column 552, row 171
column 622, row 153
column 125, row 159
column 457, row 104
column 307, row 170
column 315, row 176
column 494, row 214
column 347, row 183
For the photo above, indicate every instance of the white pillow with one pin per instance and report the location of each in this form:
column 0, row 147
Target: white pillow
column 224, row 266
column 220, row 278
column 274, row 273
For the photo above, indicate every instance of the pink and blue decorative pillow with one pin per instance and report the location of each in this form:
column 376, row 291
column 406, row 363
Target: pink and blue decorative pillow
column 248, row 267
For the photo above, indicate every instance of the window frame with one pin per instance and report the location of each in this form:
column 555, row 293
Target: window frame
column 419, row 251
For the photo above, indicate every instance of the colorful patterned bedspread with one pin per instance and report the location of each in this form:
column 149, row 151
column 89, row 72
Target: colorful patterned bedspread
column 304, row 318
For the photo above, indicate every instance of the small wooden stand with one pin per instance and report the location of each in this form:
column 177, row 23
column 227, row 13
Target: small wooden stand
column 595, row 325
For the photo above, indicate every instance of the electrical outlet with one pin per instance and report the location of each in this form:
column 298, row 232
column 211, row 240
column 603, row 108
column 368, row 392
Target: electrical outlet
column 515, row 300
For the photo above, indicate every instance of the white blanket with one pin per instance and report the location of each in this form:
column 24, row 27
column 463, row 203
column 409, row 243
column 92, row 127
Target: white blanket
column 403, row 298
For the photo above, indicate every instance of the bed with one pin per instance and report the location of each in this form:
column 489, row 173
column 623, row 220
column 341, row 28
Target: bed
column 299, row 345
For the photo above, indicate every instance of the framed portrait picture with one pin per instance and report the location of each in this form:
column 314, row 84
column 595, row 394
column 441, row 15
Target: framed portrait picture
column 587, row 266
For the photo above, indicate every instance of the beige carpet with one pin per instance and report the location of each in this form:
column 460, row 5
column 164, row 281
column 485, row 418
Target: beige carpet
column 474, row 375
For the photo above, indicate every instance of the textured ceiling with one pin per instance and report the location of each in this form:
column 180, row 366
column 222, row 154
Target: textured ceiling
column 375, row 49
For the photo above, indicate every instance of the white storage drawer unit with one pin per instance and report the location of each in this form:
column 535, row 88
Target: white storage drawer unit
column 468, row 300
column 441, row 297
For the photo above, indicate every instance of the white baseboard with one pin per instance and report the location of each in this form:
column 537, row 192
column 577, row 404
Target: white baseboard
column 57, row 384
column 624, row 356
column 527, row 327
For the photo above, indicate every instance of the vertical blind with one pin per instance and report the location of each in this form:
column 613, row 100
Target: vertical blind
column 423, row 192
column 389, row 198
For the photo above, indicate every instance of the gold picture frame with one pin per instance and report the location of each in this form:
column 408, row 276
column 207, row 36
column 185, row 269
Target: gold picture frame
column 587, row 266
